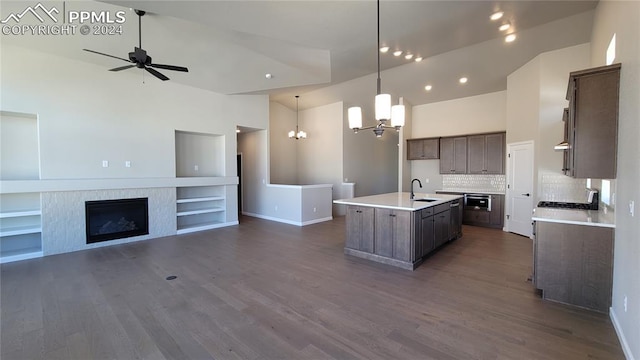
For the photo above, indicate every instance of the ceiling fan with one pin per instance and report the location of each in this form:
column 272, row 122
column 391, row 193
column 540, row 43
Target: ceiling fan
column 139, row 58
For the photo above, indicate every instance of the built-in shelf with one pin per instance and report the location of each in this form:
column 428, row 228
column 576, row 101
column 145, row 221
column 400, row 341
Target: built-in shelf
column 6, row 215
column 202, row 199
column 20, row 227
column 203, row 211
column 199, row 227
column 200, row 208
column 22, row 254
column 20, row 230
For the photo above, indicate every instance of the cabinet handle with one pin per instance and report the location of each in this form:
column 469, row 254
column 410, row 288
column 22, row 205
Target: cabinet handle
column 454, row 205
column 527, row 194
column 392, row 215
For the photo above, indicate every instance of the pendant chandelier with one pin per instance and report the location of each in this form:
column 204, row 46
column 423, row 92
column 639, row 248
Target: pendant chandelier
column 383, row 109
column 297, row 134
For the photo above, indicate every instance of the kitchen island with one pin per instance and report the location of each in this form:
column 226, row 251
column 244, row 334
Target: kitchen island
column 396, row 230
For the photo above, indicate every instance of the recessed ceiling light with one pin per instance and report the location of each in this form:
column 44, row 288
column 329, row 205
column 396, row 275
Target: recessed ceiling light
column 268, row 75
column 408, row 56
column 384, row 49
column 428, row 87
column 496, row 15
column 463, row 80
column 504, row 27
column 510, row 38
column 418, row 59
column 397, row 53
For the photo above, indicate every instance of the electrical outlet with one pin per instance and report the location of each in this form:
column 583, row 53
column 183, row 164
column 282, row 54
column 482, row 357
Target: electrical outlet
column 276, row 207
column 625, row 303
column 105, row 163
column 632, row 207
column 426, row 181
column 314, row 209
column 196, row 167
column 127, row 163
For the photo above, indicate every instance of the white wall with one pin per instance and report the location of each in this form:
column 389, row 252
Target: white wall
column 623, row 19
column 536, row 97
column 470, row 115
column 88, row 114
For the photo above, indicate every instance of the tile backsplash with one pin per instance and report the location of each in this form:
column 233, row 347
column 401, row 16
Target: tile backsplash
column 493, row 183
column 559, row 187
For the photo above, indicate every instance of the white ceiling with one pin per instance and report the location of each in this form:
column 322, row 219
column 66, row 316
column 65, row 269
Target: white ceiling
column 229, row 46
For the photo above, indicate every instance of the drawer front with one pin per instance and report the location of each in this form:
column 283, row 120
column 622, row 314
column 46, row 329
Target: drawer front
column 440, row 208
column 426, row 212
column 472, row 216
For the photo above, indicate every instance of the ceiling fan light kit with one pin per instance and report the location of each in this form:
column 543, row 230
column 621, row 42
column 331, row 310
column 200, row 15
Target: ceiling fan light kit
column 139, row 58
column 383, row 109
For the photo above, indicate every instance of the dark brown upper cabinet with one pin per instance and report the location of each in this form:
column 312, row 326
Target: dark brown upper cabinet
column 592, row 122
column 486, row 153
column 453, row 155
column 423, row 149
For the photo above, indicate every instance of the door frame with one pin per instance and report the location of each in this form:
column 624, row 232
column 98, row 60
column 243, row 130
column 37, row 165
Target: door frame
column 508, row 202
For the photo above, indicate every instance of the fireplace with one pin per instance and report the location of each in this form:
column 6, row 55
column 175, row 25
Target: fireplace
column 116, row 219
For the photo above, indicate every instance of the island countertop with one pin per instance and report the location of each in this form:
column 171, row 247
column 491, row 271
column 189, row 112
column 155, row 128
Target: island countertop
column 399, row 200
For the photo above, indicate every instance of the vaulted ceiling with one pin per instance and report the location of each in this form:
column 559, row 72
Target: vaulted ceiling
column 229, row 46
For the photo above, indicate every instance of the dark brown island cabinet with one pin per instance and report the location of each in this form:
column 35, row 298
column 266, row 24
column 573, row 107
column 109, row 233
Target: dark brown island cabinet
column 592, row 123
column 401, row 238
column 573, row 264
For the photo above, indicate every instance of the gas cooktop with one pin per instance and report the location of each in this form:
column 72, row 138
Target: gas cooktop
column 565, row 205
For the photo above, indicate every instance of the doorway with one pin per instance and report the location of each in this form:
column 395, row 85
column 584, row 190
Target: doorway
column 239, row 172
column 519, row 188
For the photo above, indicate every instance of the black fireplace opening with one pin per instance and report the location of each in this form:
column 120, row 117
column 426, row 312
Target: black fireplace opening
column 116, row 219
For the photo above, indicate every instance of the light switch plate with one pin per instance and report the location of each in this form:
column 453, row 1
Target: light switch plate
column 105, row 163
column 632, row 206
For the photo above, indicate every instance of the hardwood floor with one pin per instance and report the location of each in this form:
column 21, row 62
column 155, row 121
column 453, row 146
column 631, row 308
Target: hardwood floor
column 265, row 290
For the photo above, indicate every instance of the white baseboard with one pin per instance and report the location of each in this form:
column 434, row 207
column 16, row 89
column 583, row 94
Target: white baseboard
column 290, row 222
column 616, row 325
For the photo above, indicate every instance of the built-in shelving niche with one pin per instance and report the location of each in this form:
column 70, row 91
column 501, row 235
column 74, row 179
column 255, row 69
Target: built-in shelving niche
column 20, row 227
column 199, row 154
column 20, row 213
column 200, row 207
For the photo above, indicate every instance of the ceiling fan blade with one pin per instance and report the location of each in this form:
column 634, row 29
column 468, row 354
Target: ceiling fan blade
column 103, row 54
column 122, row 68
column 169, row 67
column 156, row 74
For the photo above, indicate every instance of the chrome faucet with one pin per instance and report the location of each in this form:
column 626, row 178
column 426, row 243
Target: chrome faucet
column 412, row 194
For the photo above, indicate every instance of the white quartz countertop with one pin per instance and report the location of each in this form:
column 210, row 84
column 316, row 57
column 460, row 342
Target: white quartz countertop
column 468, row 191
column 399, row 201
column 577, row 217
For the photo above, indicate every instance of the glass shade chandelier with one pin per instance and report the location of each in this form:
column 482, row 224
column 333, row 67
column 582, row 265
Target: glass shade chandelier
column 383, row 110
column 297, row 134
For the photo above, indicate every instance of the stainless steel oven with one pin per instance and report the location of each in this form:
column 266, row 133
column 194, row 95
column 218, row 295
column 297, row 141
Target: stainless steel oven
column 477, row 202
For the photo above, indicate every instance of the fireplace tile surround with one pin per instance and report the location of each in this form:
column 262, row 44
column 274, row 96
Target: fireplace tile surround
column 63, row 217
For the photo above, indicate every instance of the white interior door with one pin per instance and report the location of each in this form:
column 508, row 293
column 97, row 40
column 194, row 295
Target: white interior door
column 519, row 188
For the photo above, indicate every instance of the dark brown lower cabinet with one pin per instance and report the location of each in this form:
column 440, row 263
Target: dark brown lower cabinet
column 573, row 264
column 360, row 220
column 393, row 234
column 441, row 224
